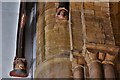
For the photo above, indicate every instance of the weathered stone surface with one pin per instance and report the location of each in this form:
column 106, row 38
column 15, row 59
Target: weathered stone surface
column 49, row 5
column 102, row 4
column 88, row 6
column 109, row 71
column 89, row 12
column 115, row 18
column 101, row 28
column 75, row 6
column 57, row 39
column 76, row 26
column 103, row 48
column 55, row 68
column 40, row 8
column 50, row 13
column 78, row 73
column 40, row 39
column 95, row 70
column 101, row 56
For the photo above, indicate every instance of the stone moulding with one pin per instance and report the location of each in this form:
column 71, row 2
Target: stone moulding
column 103, row 48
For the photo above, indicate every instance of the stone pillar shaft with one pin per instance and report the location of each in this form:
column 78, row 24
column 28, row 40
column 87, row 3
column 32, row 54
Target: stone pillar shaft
column 95, row 70
column 78, row 73
column 109, row 71
column 55, row 46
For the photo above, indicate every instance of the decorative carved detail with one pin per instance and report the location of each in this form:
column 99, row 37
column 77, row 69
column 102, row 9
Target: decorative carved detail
column 78, row 64
column 20, row 66
column 109, row 59
column 103, row 48
column 62, row 13
column 94, row 64
column 92, row 56
column 101, row 57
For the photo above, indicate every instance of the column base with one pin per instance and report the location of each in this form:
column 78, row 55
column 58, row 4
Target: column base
column 18, row 73
column 20, row 68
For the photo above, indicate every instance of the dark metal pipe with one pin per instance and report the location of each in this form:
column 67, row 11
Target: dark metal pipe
column 21, row 32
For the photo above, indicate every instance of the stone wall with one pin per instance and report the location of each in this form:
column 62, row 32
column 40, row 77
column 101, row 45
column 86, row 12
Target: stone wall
column 53, row 44
column 115, row 18
column 95, row 41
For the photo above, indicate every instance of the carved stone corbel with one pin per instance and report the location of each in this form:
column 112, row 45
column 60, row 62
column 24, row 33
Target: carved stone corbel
column 94, row 64
column 101, row 56
column 78, row 64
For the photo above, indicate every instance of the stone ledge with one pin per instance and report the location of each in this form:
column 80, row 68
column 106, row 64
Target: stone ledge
column 104, row 48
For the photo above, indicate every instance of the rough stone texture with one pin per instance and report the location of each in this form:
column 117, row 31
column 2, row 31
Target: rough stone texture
column 55, row 68
column 102, row 28
column 98, row 24
column 52, row 40
column 56, row 34
column 40, row 43
column 57, row 39
column 95, row 70
column 115, row 20
column 76, row 25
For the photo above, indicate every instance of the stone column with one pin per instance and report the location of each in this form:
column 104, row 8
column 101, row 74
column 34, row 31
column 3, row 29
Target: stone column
column 107, row 55
column 77, row 70
column 78, row 65
column 40, row 34
column 56, row 33
column 56, row 63
column 108, row 65
column 95, row 66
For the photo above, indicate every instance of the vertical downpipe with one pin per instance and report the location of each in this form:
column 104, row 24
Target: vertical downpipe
column 71, row 38
column 83, row 29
